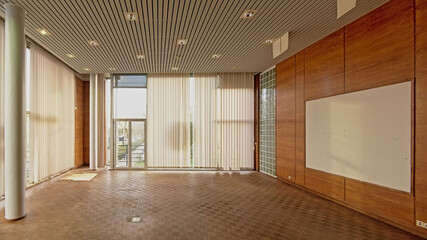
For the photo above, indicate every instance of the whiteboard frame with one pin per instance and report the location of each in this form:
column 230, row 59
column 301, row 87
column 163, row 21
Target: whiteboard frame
column 409, row 151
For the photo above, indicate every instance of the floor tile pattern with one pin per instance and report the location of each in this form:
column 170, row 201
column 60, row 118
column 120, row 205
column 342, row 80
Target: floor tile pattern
column 186, row 205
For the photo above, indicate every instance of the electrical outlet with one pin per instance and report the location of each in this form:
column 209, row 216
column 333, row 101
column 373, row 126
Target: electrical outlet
column 289, row 177
column 421, row 224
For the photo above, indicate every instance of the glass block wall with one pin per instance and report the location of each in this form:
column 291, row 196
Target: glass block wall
column 267, row 108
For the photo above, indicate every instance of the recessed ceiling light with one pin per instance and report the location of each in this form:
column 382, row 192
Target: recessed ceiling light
column 248, row 14
column 131, row 16
column 269, row 41
column 43, row 31
column 71, row 55
column 112, row 69
column 140, row 57
column 93, row 43
column 86, row 69
column 182, row 42
column 174, row 69
column 235, row 68
column 216, row 56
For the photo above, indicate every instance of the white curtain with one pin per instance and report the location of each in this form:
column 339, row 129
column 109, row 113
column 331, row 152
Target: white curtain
column 236, row 121
column 51, row 115
column 168, row 118
column 1, row 109
column 204, row 128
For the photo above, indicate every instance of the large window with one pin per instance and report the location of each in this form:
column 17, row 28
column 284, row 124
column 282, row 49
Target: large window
column 130, row 97
column 129, row 121
column 203, row 121
column 51, row 116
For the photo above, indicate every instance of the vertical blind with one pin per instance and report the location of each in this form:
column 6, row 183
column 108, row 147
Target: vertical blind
column 168, row 121
column 223, row 121
column 236, row 121
column 205, row 137
column 51, row 115
column 205, row 125
column 1, row 109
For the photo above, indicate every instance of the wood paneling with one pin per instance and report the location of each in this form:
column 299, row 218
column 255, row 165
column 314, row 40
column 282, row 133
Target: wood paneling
column 299, row 119
column 379, row 47
column 86, row 116
column 285, row 119
column 421, row 111
column 325, row 183
column 393, row 205
column 79, row 124
column 256, row 120
column 324, row 67
column 376, row 50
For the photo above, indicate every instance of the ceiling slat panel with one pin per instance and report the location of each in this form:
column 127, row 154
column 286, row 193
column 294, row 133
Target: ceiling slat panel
column 211, row 27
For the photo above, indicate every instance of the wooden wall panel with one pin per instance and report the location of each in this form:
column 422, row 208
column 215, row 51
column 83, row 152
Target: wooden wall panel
column 86, row 116
column 324, row 67
column 325, row 183
column 379, row 47
column 421, row 111
column 393, row 205
column 285, row 119
column 299, row 119
column 79, row 124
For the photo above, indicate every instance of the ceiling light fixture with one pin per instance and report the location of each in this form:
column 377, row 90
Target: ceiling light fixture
column 269, row 41
column 71, row 55
column 131, row 16
column 93, row 43
column 140, row 57
column 174, row 69
column 248, row 14
column 182, row 42
column 235, row 68
column 86, row 69
column 112, row 69
column 216, row 56
column 43, row 31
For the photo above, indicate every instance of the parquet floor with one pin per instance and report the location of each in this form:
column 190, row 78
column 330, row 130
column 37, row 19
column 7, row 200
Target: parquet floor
column 186, row 205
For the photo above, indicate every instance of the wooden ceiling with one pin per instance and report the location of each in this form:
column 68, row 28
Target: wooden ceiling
column 211, row 27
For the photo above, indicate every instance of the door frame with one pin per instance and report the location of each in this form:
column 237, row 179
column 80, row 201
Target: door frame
column 114, row 142
column 113, row 79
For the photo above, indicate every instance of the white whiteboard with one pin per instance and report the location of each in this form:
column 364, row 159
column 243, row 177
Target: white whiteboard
column 364, row 135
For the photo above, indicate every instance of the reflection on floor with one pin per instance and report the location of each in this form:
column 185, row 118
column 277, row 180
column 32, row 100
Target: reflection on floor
column 86, row 176
column 186, row 205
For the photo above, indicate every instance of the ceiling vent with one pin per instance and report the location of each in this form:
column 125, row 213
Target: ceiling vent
column 281, row 45
column 131, row 16
column 344, row 6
